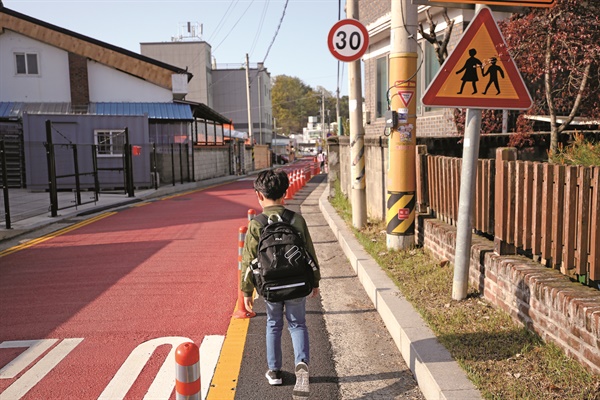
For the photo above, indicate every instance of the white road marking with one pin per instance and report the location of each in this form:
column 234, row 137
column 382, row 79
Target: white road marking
column 35, row 349
column 35, row 374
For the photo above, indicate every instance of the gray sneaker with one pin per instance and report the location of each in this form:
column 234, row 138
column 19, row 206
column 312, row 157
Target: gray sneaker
column 274, row 377
column 301, row 387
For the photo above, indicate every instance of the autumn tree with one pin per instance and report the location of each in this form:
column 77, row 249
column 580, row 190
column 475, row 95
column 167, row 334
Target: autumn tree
column 558, row 52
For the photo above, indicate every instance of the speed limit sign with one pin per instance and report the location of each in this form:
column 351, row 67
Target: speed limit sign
column 348, row 40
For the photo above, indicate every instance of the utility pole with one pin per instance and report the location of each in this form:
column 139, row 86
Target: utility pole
column 357, row 135
column 401, row 182
column 250, row 136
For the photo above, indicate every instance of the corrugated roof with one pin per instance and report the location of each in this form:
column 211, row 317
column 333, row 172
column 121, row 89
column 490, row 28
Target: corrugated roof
column 162, row 111
column 168, row 111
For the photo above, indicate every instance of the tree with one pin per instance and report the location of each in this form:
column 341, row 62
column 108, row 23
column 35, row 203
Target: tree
column 293, row 102
column 440, row 45
column 558, row 52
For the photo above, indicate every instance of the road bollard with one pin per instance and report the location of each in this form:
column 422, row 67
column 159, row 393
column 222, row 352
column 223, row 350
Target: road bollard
column 187, row 375
column 289, row 194
column 240, row 309
column 251, row 214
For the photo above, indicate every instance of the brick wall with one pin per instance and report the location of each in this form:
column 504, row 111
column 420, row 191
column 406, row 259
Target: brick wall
column 371, row 10
column 541, row 299
column 78, row 77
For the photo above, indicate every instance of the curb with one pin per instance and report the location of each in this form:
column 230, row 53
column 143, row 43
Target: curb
column 439, row 376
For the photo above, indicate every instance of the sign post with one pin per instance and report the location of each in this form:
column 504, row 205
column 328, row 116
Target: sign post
column 479, row 74
column 348, row 40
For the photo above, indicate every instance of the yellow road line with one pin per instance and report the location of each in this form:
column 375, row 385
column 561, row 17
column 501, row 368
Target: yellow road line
column 225, row 378
column 54, row 234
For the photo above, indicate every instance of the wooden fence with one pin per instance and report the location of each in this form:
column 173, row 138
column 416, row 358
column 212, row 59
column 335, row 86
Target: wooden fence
column 551, row 212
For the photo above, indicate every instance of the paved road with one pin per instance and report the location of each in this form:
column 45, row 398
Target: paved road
column 83, row 311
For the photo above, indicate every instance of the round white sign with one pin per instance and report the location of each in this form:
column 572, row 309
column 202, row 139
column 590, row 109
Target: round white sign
column 348, row 40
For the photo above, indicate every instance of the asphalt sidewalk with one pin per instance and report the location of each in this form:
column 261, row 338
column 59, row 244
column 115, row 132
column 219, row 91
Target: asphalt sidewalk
column 437, row 374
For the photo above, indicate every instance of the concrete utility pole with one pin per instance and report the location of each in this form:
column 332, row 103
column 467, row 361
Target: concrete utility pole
column 401, row 182
column 468, row 178
column 250, row 136
column 357, row 135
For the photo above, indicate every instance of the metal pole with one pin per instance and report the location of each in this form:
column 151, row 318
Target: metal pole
column 465, row 204
column 77, row 180
column 51, row 170
column 173, row 162
column 5, row 185
column 154, row 166
column 357, row 135
column 401, row 183
column 95, row 168
column 250, row 136
column 468, row 178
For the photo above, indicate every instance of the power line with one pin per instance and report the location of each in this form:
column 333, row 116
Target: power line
column 276, row 31
column 260, row 25
column 234, row 25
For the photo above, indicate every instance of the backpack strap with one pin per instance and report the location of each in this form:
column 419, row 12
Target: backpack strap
column 262, row 219
column 288, row 215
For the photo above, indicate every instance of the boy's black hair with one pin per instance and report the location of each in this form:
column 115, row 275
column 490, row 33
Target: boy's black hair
column 272, row 183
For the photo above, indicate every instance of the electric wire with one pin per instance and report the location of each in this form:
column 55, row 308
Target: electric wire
column 220, row 25
column 234, row 25
column 276, row 31
column 260, row 26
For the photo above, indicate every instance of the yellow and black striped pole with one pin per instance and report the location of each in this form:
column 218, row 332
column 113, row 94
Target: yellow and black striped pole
column 401, row 181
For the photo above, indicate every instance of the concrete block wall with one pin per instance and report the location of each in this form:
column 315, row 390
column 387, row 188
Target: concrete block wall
column 211, row 162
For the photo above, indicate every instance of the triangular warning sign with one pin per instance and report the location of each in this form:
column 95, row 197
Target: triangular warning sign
column 479, row 73
column 406, row 96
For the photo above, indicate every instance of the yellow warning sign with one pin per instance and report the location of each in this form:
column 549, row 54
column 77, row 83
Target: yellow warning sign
column 480, row 73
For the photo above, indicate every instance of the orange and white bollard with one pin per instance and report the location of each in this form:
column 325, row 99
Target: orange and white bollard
column 251, row 214
column 187, row 375
column 296, row 181
column 289, row 195
column 240, row 309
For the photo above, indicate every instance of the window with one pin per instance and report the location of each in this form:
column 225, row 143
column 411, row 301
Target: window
column 110, row 143
column 27, row 63
column 431, row 66
column 382, row 86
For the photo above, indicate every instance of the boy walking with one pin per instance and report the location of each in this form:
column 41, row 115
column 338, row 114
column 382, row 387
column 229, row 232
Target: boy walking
column 270, row 187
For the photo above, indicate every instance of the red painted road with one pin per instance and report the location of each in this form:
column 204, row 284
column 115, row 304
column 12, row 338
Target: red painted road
column 165, row 269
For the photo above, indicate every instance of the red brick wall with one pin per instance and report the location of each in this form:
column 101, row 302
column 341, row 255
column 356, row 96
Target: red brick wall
column 542, row 299
column 78, row 76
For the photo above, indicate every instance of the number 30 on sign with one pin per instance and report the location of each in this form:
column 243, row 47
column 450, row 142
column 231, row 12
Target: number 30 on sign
column 348, row 40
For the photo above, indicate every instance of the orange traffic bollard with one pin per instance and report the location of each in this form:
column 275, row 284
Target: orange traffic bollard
column 240, row 309
column 187, row 375
column 251, row 214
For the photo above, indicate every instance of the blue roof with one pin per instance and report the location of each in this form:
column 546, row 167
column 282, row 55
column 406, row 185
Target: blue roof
column 164, row 111
column 168, row 111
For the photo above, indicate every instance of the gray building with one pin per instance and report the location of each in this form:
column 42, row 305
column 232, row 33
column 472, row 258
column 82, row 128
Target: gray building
column 230, row 99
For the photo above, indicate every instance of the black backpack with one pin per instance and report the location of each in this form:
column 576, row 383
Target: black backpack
column 283, row 268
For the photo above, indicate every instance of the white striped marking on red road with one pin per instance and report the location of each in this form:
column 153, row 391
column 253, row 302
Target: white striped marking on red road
column 161, row 387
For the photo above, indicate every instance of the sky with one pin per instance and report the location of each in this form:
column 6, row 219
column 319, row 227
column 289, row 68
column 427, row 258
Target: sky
column 233, row 28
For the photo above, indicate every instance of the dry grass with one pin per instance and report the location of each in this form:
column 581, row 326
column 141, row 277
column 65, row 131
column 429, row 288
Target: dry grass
column 502, row 359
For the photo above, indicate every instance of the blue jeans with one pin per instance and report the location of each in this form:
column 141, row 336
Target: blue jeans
column 295, row 313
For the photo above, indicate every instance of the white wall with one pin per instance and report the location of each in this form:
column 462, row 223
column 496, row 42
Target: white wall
column 109, row 84
column 52, row 83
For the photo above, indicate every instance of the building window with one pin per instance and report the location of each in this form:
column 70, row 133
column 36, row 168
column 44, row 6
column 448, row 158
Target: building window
column 27, row 63
column 382, row 86
column 110, row 143
column 431, row 66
